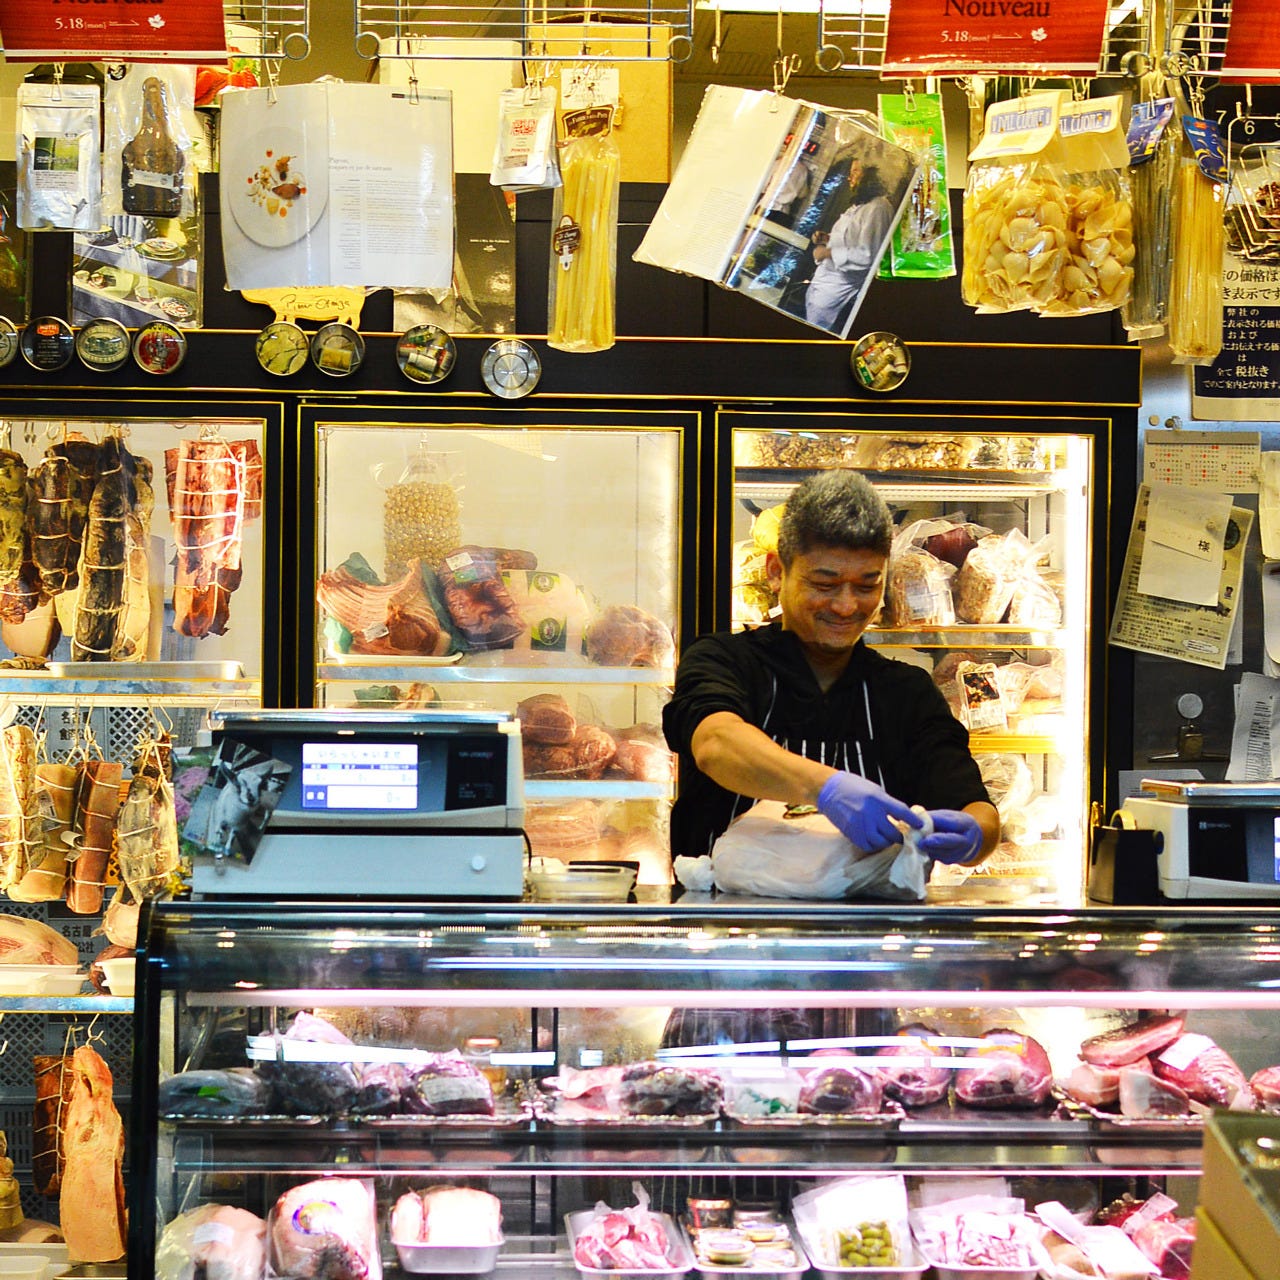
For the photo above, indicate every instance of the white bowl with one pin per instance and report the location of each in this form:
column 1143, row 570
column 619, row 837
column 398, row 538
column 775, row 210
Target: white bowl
column 119, row 974
column 448, row 1259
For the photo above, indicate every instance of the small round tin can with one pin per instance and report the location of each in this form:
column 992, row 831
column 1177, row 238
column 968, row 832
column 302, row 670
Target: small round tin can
column 8, row 341
column 337, row 349
column 426, row 353
column 48, row 344
column 282, row 348
column 709, row 1213
column 103, row 344
column 159, row 347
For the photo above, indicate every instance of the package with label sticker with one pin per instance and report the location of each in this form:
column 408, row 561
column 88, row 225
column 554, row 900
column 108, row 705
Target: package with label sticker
column 524, row 157
column 921, row 246
column 59, row 157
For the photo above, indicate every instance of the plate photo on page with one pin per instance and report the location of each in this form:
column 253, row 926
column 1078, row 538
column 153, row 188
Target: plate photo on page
column 274, row 198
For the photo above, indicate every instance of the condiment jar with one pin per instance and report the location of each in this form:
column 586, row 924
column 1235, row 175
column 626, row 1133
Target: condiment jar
column 479, row 1051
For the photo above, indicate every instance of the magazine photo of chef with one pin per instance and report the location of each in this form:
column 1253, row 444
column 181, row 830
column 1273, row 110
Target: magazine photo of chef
column 824, row 222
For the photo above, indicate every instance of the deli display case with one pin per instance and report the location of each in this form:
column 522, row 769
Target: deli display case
column 289, row 1053
column 992, row 586
column 523, row 563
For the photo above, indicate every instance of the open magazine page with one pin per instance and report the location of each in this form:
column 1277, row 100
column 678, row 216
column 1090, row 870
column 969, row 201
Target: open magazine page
column 814, row 240
column 734, row 144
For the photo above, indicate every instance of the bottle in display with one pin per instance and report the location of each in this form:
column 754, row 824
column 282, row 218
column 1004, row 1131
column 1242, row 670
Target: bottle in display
column 151, row 163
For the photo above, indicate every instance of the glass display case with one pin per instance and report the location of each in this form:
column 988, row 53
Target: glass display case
column 521, row 565
column 676, row 1000
column 989, row 587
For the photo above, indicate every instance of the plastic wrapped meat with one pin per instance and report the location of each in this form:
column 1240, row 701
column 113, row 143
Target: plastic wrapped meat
column 1127, row 1044
column 1266, row 1087
column 382, row 1088
column 1013, row 1071
column 656, row 1089
column 624, row 636
column 623, row 1240
column 326, row 1230
column 448, row 1086
column 213, row 1242
column 457, row 1216
column 1205, row 1072
column 478, row 600
column 237, row 1092
column 916, row 1082
column 841, row 1091
column 1168, row 1242
column 310, row 1088
column 1144, row 1096
column 1093, row 1086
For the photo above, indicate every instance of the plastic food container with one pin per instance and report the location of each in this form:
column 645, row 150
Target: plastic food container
column 53, row 1255
column 912, row 1267
column 755, row 1269
column 449, row 1259
column 40, row 980
column 679, row 1255
column 553, row 881
column 119, row 975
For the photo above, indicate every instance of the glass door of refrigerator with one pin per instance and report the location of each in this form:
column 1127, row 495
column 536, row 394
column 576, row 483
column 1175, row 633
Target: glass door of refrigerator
column 1013, row 621
column 524, row 565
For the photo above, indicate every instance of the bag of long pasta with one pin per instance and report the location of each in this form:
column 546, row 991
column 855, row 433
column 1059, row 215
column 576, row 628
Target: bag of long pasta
column 1015, row 215
column 1154, row 143
column 1199, row 236
column 584, row 240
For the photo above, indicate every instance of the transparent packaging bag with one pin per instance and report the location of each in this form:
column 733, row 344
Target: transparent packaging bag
column 921, row 246
column 1195, row 287
column 524, row 155
column 1153, row 150
column 148, row 162
column 59, row 157
column 421, row 512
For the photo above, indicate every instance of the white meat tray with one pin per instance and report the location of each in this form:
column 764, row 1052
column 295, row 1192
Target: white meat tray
column 448, row 1259
column 679, row 1255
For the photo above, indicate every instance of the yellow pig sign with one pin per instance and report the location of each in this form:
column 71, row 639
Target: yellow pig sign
column 311, row 302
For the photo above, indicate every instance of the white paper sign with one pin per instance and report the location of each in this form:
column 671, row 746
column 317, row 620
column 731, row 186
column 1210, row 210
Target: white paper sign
column 1255, row 737
column 1186, row 530
column 337, row 184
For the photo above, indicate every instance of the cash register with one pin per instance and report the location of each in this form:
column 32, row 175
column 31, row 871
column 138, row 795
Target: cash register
column 409, row 804
column 1221, row 839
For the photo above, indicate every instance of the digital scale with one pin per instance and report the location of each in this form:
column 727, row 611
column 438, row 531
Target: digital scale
column 1221, row 839
column 394, row 804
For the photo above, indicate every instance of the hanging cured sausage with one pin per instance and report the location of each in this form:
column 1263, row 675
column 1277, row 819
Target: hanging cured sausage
column 46, row 875
column 97, row 804
column 17, row 802
column 58, row 492
column 147, row 825
column 102, row 562
column 134, row 623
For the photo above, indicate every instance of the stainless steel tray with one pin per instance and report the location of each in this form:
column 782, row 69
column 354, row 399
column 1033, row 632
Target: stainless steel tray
column 142, row 671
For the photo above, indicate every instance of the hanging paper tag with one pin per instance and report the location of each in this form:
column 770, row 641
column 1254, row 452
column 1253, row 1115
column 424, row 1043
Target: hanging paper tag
column 1146, row 127
column 589, row 86
column 1206, row 146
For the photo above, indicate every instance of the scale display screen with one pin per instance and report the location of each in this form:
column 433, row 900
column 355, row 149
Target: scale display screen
column 359, row 775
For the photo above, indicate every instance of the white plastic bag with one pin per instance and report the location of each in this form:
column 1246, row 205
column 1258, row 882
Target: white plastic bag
column 767, row 854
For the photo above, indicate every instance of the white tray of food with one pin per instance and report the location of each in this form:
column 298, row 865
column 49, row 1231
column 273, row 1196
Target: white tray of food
column 41, row 980
column 679, row 1257
column 755, row 1251
column 449, row 1259
column 909, row 1263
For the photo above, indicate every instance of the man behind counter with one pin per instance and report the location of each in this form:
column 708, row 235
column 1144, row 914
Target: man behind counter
column 804, row 712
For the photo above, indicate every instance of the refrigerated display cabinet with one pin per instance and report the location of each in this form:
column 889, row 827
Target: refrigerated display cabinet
column 516, row 561
column 563, row 987
column 990, row 586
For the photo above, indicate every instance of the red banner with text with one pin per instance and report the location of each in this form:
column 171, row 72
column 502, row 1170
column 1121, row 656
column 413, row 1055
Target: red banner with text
column 1253, row 41
column 113, row 31
column 954, row 37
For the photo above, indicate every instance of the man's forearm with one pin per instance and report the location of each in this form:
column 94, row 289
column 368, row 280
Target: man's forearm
column 743, row 759
column 988, row 818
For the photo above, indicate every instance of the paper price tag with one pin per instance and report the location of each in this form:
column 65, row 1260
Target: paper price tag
column 1185, row 1050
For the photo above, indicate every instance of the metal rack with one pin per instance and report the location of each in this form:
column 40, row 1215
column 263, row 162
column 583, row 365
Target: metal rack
column 280, row 27
column 851, row 36
column 631, row 31
column 1195, row 38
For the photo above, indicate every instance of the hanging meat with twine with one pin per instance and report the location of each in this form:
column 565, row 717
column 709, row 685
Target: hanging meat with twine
column 103, row 558
column 147, row 824
column 97, row 804
column 13, row 509
column 129, row 643
column 53, row 807
column 59, row 488
column 17, row 803
column 214, row 486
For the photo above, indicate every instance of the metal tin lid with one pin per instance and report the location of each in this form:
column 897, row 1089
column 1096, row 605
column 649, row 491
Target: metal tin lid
column 426, row 353
column 510, row 368
column 880, row 361
column 159, row 347
column 282, row 348
column 8, row 341
column 48, row 344
column 337, row 349
column 103, row 344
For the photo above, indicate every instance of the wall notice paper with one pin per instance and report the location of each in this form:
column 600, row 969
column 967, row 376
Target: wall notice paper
column 337, row 184
column 1255, row 738
column 784, row 201
column 1186, row 530
column 1271, row 618
column 1269, row 504
column 1224, row 461
column 1173, row 628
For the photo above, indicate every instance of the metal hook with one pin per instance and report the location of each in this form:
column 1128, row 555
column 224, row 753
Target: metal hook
column 273, row 76
column 784, row 68
column 908, row 97
column 716, row 39
column 58, row 69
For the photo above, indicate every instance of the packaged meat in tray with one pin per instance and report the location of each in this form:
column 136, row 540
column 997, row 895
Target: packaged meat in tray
column 643, row 1093
column 829, row 1097
column 647, row 1246
column 508, row 1113
column 454, row 1231
column 979, row 1238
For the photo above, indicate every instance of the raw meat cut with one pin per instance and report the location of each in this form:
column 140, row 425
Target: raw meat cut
column 1094, row 1086
column 17, row 802
column 91, row 1206
column 660, row 1089
column 448, row 1086
column 213, row 1242
column 55, row 797
column 1144, row 1096
column 390, row 618
column 627, row 1240
column 326, row 1230
column 1211, row 1076
column 915, row 1083
column 24, row 941
column 1266, row 1087
column 587, row 756
column 1014, row 1071
column 102, row 559
column 642, row 755
column 58, row 491
column 459, row 1216
column 624, row 636
column 478, row 601
column 546, row 718
column 97, row 804
column 1168, row 1242
column 841, row 1091
column 1140, row 1039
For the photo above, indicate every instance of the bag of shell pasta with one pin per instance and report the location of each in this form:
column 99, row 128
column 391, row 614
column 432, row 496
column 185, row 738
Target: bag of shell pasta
column 1093, row 159
column 1015, row 213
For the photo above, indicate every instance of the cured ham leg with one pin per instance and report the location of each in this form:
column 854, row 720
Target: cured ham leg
column 55, row 802
column 130, row 641
column 58, row 492
column 102, row 564
column 147, row 826
column 97, row 804
column 91, row 1207
column 17, row 802
column 54, row 1083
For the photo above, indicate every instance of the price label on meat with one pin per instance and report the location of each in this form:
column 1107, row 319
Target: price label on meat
column 113, row 31
column 931, row 37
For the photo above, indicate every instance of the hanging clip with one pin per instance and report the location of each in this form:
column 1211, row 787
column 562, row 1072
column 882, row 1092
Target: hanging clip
column 59, row 69
column 908, row 97
column 273, row 76
column 784, row 67
column 716, row 39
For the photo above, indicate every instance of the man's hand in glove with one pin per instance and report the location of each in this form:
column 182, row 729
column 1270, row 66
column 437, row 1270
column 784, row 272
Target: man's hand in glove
column 863, row 812
column 956, row 837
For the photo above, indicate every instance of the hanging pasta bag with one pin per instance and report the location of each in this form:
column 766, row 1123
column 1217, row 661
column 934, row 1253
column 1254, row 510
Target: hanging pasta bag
column 921, row 246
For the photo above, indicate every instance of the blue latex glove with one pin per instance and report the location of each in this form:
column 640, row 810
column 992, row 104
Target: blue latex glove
column 861, row 812
column 956, row 837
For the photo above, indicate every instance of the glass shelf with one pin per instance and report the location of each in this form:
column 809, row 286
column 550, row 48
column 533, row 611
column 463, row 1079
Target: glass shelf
column 473, row 673
column 65, row 1004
